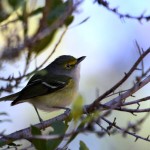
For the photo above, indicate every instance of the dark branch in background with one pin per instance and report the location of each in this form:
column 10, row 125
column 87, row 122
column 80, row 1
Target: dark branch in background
column 105, row 4
column 127, row 75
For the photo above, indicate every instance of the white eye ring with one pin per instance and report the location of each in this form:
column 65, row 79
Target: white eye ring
column 68, row 66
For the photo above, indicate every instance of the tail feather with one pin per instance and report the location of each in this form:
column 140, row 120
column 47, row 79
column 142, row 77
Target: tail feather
column 9, row 97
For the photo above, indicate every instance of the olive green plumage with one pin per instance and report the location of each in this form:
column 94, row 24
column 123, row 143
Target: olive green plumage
column 54, row 86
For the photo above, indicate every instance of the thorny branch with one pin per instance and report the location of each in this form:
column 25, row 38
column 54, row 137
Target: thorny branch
column 127, row 75
column 115, row 10
column 105, row 108
column 26, row 133
column 113, row 124
column 114, row 104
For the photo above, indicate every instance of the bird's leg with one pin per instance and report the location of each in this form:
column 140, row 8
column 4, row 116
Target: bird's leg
column 40, row 119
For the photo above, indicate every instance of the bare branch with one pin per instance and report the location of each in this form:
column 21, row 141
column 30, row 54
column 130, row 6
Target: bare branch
column 136, row 101
column 123, row 79
column 139, row 18
column 125, row 131
column 26, row 133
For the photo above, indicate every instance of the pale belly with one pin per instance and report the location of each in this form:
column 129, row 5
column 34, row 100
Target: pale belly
column 55, row 99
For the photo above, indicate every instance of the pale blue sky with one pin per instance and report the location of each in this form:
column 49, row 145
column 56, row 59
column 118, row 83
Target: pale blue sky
column 109, row 44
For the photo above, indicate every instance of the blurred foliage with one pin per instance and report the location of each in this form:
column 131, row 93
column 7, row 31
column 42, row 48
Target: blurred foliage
column 78, row 105
column 15, row 3
column 56, row 10
column 54, row 15
column 83, row 146
column 59, row 128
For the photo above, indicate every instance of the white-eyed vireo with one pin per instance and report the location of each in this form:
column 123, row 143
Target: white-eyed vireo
column 52, row 87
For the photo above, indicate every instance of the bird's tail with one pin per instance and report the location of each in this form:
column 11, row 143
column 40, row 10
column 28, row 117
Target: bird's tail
column 9, row 97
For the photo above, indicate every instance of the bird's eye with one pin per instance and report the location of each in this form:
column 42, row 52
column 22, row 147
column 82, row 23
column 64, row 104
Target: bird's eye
column 68, row 66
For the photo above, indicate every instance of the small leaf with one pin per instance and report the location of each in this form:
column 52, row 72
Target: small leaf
column 38, row 143
column 77, row 108
column 69, row 20
column 83, row 146
column 36, row 11
column 15, row 3
column 59, row 128
column 43, row 43
column 35, row 131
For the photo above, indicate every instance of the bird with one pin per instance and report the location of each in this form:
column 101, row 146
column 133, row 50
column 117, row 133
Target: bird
column 55, row 86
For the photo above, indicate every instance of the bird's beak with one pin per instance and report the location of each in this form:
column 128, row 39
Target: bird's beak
column 80, row 59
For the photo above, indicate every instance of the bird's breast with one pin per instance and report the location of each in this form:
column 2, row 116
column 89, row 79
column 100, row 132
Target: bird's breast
column 61, row 98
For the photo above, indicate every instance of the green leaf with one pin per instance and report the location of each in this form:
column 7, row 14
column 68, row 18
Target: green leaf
column 77, row 108
column 83, row 146
column 43, row 43
column 35, row 130
column 36, row 11
column 15, row 3
column 38, row 143
column 69, row 20
column 59, row 128
column 58, row 10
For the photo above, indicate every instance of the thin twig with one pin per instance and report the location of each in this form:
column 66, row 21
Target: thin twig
column 123, row 79
column 125, row 131
column 136, row 101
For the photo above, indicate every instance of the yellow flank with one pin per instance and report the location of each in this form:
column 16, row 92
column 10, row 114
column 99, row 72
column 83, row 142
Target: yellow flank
column 56, row 99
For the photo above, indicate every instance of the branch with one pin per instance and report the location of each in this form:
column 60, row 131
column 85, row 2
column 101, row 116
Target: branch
column 133, row 110
column 105, row 4
column 118, row 100
column 136, row 101
column 127, row 75
column 125, row 131
column 26, row 133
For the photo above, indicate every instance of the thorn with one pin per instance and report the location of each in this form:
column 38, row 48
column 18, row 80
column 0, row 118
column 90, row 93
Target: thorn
column 138, row 105
column 133, row 96
column 136, row 139
column 125, row 73
column 138, row 69
column 133, row 113
column 148, row 137
column 114, row 122
column 142, row 50
column 123, row 101
column 140, row 83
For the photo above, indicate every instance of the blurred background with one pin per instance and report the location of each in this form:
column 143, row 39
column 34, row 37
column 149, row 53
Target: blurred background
column 109, row 44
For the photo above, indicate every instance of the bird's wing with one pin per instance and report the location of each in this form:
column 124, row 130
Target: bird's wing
column 38, row 87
